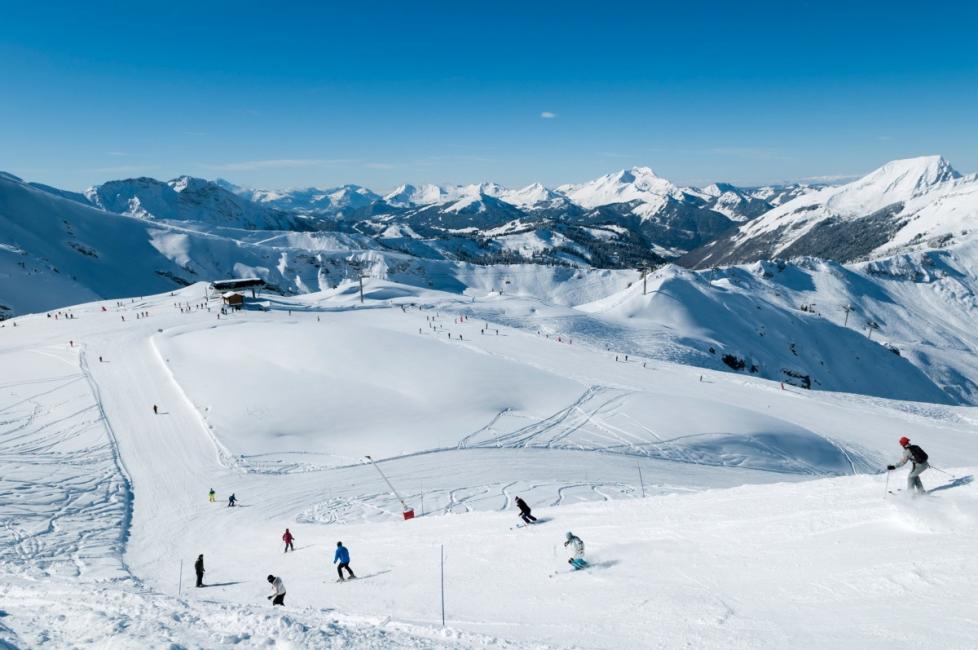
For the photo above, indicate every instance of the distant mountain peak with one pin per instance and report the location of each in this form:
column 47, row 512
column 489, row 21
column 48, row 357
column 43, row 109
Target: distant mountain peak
column 903, row 205
column 912, row 176
column 636, row 174
column 623, row 186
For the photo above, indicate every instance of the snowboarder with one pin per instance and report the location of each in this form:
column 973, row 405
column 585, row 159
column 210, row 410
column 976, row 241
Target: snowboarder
column 278, row 590
column 199, row 569
column 342, row 556
column 578, row 561
column 525, row 514
column 232, row 500
column 156, row 409
column 287, row 538
column 212, row 496
column 918, row 461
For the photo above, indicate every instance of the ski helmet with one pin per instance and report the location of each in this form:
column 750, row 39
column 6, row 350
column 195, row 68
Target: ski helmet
column 569, row 534
column 271, row 578
column 904, row 441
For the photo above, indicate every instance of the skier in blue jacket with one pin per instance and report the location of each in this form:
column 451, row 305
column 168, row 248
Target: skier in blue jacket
column 343, row 557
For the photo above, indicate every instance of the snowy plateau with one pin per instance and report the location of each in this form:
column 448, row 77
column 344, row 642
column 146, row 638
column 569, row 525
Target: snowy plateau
column 715, row 427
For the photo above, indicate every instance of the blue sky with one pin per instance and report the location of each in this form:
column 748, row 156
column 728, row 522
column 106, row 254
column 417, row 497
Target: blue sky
column 292, row 94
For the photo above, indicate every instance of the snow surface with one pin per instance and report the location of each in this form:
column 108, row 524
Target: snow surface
column 766, row 522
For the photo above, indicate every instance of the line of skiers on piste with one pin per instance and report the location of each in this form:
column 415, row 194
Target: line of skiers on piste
column 341, row 558
column 912, row 454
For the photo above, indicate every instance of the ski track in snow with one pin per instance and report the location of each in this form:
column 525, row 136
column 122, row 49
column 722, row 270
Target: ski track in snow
column 59, row 473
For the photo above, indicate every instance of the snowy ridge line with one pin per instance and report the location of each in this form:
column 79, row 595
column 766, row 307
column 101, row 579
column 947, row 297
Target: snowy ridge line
column 116, row 457
column 222, row 453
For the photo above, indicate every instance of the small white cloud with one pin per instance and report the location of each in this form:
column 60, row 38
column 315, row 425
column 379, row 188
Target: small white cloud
column 378, row 165
column 829, row 178
column 547, row 115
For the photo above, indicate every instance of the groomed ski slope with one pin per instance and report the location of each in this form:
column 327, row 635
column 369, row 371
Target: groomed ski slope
column 763, row 526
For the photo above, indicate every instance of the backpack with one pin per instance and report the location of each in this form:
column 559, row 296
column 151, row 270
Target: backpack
column 918, row 455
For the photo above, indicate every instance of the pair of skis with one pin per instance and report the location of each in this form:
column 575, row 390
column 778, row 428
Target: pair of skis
column 576, row 565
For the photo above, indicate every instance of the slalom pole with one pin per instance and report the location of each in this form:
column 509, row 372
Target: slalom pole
column 886, row 486
column 443, row 585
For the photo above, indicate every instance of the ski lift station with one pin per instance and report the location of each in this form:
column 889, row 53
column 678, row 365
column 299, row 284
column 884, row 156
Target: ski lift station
column 222, row 288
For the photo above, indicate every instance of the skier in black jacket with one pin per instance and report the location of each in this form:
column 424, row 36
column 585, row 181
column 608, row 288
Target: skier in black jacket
column 199, row 569
column 918, row 460
column 524, row 511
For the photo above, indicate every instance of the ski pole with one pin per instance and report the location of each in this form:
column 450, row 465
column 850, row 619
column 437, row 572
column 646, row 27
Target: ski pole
column 886, row 486
column 943, row 472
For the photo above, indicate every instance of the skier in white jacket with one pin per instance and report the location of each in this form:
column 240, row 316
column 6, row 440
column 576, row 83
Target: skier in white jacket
column 578, row 561
column 278, row 590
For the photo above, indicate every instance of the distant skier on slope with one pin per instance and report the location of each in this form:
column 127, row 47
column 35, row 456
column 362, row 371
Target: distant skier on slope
column 287, row 538
column 918, row 460
column 342, row 556
column 577, row 544
column 156, row 409
column 199, row 570
column 212, row 496
column 278, row 590
column 232, row 500
column 525, row 514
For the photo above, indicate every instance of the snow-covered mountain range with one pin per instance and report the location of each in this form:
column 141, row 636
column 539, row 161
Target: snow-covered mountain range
column 904, row 205
column 627, row 219
column 630, row 218
column 57, row 250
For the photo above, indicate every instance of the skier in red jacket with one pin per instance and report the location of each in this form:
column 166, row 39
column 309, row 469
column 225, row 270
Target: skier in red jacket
column 287, row 538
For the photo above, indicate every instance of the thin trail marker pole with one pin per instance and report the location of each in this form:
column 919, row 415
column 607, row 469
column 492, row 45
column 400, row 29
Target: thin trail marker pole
column 180, row 580
column 886, row 486
column 443, row 585
column 422, row 498
column 640, row 479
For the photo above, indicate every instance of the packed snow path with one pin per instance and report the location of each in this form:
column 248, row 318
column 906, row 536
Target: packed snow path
column 766, row 565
